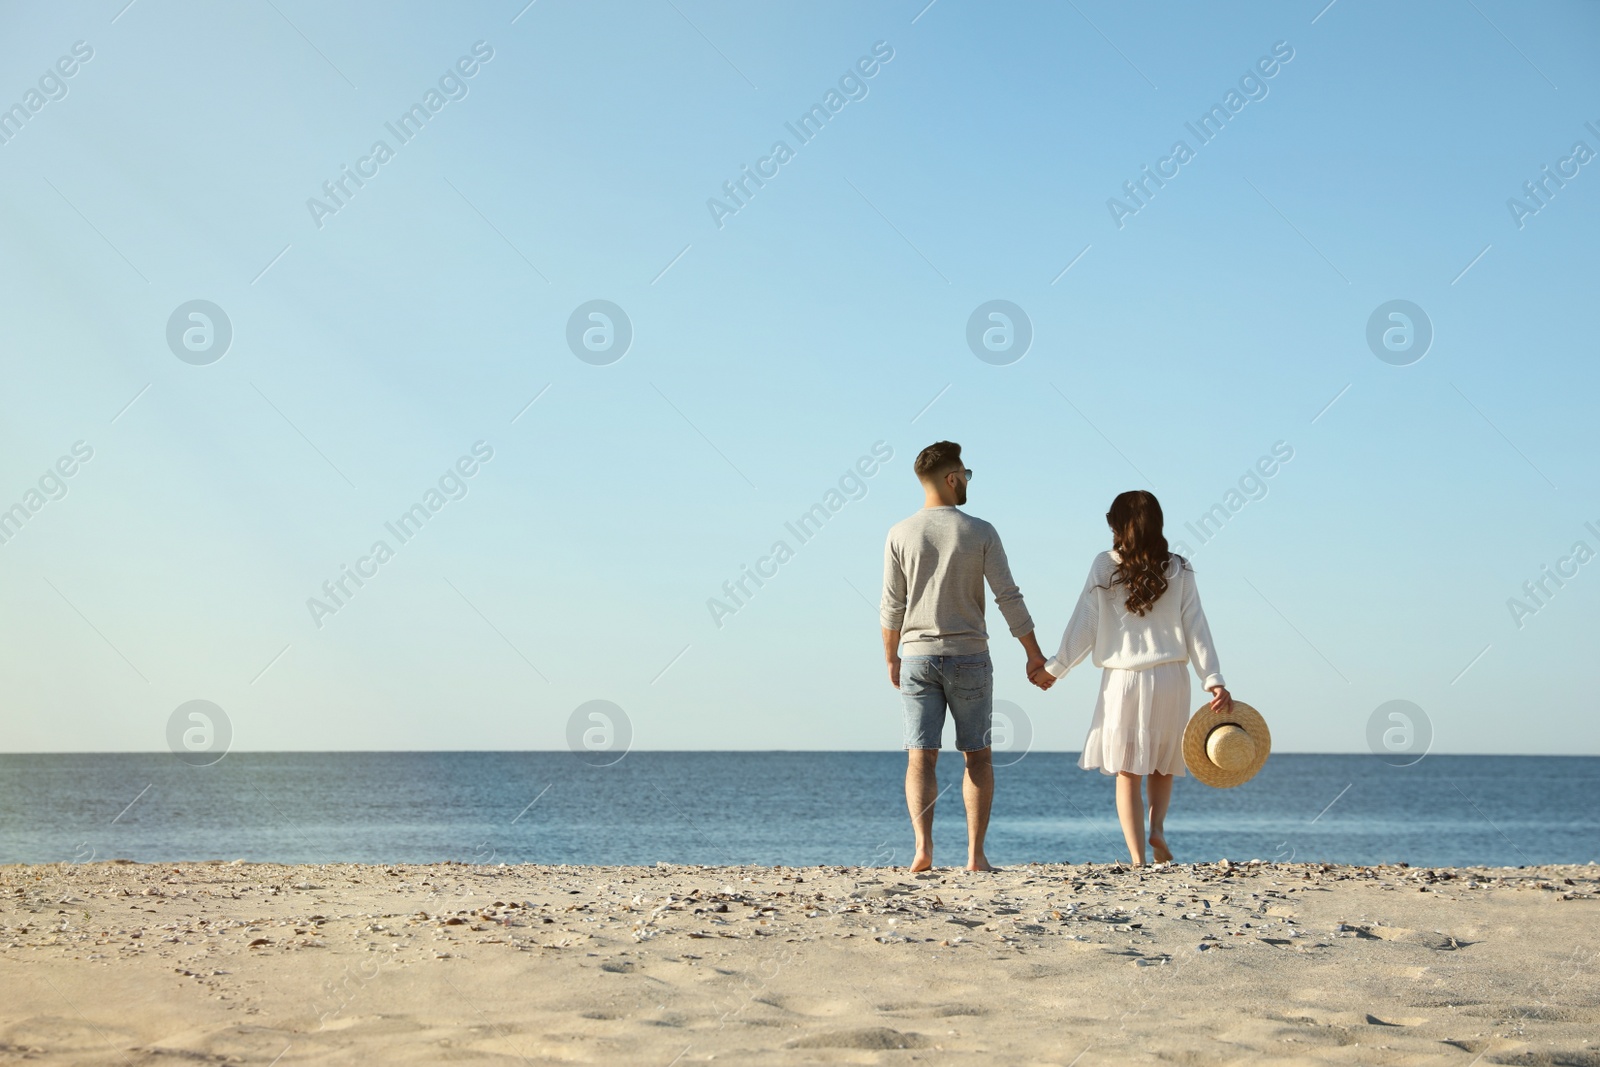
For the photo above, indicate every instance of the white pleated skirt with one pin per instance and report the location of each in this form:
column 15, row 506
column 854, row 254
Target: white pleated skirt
column 1138, row 721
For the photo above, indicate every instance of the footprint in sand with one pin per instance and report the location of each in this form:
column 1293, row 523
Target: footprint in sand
column 1579, row 1057
column 1544, row 1013
column 874, row 1038
column 915, row 1010
column 812, row 1007
column 235, row 1044
column 53, row 1034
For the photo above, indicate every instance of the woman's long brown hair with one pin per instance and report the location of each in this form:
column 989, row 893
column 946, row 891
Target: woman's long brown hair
column 1135, row 519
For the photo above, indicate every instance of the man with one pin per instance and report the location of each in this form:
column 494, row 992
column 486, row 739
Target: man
column 934, row 567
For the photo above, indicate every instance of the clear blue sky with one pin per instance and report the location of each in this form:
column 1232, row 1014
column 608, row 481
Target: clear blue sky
column 373, row 346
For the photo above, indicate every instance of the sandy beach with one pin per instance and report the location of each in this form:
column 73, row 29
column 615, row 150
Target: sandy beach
column 232, row 962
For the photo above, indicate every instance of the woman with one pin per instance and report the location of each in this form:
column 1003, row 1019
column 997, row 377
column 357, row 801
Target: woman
column 1140, row 615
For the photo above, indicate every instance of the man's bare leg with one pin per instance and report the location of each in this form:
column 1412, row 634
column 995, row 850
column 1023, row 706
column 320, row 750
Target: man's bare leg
column 922, row 789
column 977, row 790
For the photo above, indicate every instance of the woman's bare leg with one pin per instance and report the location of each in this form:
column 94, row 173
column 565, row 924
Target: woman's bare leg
column 1160, row 797
column 1130, row 810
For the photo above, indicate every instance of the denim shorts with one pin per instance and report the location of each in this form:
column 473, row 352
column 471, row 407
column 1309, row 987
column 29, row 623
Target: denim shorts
column 964, row 684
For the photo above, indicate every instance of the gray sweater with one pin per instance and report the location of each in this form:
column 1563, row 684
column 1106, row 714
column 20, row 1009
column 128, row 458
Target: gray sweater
column 934, row 567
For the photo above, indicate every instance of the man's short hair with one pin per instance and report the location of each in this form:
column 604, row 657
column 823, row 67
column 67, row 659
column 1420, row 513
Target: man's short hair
column 941, row 457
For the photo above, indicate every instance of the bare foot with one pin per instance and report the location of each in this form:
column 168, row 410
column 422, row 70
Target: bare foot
column 980, row 863
column 922, row 862
column 1158, row 848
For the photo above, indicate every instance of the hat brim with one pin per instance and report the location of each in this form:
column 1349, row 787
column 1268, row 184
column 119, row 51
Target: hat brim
column 1199, row 729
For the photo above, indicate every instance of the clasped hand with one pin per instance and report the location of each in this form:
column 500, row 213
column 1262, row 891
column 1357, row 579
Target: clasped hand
column 1038, row 675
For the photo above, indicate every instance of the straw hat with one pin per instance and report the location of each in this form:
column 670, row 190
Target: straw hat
column 1228, row 749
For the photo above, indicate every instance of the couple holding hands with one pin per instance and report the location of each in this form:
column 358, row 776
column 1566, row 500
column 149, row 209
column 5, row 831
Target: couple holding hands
column 1139, row 614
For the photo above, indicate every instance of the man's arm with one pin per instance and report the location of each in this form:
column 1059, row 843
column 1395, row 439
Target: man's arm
column 1036, row 660
column 891, row 653
column 892, row 609
column 1008, row 598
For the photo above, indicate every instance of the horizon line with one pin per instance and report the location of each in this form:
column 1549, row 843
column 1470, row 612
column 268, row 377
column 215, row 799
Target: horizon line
column 706, row 751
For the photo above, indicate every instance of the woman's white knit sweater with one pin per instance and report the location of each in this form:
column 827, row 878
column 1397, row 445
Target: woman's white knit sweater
column 1172, row 630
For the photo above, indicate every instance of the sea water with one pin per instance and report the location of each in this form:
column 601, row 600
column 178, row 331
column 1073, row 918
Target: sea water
column 774, row 808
